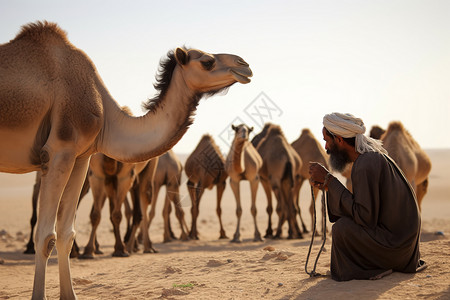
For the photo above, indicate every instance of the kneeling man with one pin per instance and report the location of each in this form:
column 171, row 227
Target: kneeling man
column 377, row 227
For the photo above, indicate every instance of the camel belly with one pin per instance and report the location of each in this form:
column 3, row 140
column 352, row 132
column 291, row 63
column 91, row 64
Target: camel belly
column 15, row 152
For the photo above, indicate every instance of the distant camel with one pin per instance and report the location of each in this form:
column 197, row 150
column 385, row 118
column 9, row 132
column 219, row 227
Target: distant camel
column 409, row 156
column 168, row 173
column 280, row 173
column 310, row 150
column 111, row 179
column 55, row 112
column 205, row 167
column 243, row 163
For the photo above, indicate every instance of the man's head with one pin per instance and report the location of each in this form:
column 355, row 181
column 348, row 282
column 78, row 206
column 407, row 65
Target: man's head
column 338, row 148
column 348, row 130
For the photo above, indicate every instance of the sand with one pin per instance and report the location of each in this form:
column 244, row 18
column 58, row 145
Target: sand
column 217, row 269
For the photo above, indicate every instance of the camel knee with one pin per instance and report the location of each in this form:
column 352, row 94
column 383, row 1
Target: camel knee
column 253, row 210
column 95, row 217
column 116, row 217
column 239, row 212
column 219, row 211
column 269, row 210
column 45, row 246
column 65, row 240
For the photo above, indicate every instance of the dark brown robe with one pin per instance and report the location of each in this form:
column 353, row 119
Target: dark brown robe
column 377, row 228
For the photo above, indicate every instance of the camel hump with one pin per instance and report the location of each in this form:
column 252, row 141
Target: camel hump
column 306, row 131
column 40, row 31
column 396, row 125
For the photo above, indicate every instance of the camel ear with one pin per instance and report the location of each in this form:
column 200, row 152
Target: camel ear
column 181, row 56
column 233, row 127
column 250, row 129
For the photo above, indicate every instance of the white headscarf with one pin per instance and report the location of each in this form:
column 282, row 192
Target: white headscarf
column 348, row 126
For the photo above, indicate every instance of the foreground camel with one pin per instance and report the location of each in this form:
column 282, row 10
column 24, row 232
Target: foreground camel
column 243, row 163
column 55, row 112
column 168, row 173
column 280, row 173
column 310, row 150
column 205, row 167
column 409, row 156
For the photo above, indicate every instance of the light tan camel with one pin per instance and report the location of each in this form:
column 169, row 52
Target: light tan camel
column 280, row 173
column 310, row 150
column 243, row 163
column 55, row 112
column 168, row 173
column 409, row 156
column 205, row 168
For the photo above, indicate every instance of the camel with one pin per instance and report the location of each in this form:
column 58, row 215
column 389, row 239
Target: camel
column 409, row 156
column 55, row 112
column 168, row 173
column 110, row 179
column 280, row 173
column 309, row 149
column 34, row 200
column 243, row 163
column 205, row 168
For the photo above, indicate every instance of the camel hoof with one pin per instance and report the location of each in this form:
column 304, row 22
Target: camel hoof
column 269, row 236
column 86, row 256
column 236, row 240
column 120, row 254
column 151, row 250
column 98, row 252
column 258, row 239
column 223, row 237
column 29, row 251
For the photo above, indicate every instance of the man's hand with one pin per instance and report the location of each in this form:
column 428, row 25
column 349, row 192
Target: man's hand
column 318, row 173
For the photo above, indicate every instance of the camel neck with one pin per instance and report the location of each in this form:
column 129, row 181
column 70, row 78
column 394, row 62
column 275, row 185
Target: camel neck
column 237, row 155
column 133, row 139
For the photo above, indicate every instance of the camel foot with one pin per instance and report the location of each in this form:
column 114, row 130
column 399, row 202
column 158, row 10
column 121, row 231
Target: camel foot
column 119, row 253
column 29, row 251
column 236, row 239
column 167, row 240
column 74, row 253
column 268, row 236
column 98, row 251
column 223, row 237
column 151, row 250
column 184, row 237
column 86, row 256
column 257, row 239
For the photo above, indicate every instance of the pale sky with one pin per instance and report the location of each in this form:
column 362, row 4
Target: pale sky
column 379, row 60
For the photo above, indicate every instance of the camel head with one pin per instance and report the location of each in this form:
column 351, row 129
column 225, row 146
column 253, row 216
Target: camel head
column 209, row 73
column 242, row 131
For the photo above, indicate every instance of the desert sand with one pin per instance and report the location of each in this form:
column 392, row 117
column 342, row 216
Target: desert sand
column 217, row 269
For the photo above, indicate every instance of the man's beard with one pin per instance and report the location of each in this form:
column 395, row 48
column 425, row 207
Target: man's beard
column 339, row 158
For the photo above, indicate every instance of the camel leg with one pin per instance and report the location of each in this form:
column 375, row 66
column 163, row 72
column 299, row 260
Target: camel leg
column 281, row 210
column 137, row 218
column 34, row 200
column 128, row 216
column 65, row 226
column 145, row 224
column 235, row 188
column 99, row 197
column 290, row 210
column 254, row 189
column 57, row 168
column 175, row 199
column 421, row 190
column 297, row 188
column 220, row 189
column 84, row 190
column 266, row 186
column 123, row 186
column 195, row 192
column 167, row 237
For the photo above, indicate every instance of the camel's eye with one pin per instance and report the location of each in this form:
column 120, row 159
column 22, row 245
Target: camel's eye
column 208, row 64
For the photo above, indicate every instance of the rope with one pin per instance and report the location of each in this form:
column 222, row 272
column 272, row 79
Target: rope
column 324, row 234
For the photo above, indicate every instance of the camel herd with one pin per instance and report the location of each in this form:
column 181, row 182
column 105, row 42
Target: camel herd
column 58, row 118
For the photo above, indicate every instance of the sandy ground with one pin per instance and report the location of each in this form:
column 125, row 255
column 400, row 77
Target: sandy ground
column 217, row 269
